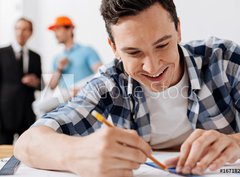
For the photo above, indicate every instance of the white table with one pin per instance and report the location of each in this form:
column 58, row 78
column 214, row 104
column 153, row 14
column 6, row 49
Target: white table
column 143, row 171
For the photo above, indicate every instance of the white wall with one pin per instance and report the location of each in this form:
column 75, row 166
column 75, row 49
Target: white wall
column 10, row 10
column 199, row 20
column 203, row 18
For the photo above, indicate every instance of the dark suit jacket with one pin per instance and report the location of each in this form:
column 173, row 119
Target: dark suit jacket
column 16, row 99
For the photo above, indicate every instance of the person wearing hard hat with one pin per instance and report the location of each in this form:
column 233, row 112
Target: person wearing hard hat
column 76, row 61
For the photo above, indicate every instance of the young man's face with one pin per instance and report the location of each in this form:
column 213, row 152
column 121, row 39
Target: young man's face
column 147, row 45
column 62, row 34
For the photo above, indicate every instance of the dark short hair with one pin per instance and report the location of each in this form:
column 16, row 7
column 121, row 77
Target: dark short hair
column 112, row 10
column 26, row 20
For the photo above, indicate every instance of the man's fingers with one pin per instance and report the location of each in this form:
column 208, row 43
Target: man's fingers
column 214, row 151
column 29, row 78
column 120, row 173
column 197, row 149
column 129, row 153
column 116, row 163
column 185, row 149
column 225, row 157
column 131, row 138
column 233, row 160
column 123, row 144
column 171, row 162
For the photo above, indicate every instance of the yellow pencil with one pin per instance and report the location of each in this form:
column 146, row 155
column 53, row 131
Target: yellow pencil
column 100, row 118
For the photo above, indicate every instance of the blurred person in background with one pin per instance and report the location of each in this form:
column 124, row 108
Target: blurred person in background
column 76, row 62
column 20, row 76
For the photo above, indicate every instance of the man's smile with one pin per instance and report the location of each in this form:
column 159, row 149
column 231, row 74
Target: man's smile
column 158, row 76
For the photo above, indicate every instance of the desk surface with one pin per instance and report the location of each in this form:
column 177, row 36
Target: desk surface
column 6, row 151
column 143, row 171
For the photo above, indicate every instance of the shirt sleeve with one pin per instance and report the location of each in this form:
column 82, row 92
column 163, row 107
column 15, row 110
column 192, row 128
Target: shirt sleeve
column 74, row 117
column 92, row 58
column 57, row 59
column 54, row 64
column 233, row 72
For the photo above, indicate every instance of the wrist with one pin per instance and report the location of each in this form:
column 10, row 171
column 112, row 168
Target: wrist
column 72, row 153
column 236, row 138
column 59, row 70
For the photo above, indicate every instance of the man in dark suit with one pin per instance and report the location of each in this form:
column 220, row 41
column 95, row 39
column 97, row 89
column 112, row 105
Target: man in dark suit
column 20, row 76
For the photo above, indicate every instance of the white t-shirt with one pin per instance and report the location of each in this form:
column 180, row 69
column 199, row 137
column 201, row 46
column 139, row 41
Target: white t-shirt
column 168, row 115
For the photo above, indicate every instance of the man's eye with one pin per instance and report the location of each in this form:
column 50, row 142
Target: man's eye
column 134, row 53
column 162, row 46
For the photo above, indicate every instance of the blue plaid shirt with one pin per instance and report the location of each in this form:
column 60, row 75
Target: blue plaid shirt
column 213, row 96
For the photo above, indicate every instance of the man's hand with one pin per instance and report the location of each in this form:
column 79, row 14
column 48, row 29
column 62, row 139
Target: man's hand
column 74, row 91
column 62, row 64
column 31, row 80
column 205, row 149
column 110, row 152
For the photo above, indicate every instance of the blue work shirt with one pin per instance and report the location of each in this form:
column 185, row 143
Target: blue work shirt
column 80, row 62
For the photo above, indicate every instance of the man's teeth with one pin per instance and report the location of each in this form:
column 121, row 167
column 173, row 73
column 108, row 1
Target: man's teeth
column 157, row 75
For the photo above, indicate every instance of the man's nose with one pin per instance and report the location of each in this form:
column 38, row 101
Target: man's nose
column 151, row 65
column 20, row 32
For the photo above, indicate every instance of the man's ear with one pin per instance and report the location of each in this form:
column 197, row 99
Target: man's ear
column 114, row 49
column 179, row 31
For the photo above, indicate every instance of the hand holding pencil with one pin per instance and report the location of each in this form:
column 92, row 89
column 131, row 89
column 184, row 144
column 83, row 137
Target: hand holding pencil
column 100, row 118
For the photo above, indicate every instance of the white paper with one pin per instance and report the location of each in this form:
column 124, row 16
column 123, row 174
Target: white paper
column 147, row 171
column 143, row 171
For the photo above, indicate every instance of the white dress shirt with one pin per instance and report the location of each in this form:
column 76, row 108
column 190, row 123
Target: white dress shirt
column 17, row 50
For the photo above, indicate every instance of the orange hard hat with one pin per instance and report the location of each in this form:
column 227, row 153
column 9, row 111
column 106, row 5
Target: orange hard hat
column 61, row 21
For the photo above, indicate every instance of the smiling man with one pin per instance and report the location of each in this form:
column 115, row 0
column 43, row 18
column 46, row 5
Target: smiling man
column 166, row 94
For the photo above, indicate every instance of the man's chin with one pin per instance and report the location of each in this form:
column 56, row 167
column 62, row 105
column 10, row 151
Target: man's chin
column 21, row 43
